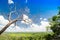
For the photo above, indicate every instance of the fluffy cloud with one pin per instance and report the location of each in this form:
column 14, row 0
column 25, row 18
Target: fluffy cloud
column 10, row 2
column 41, row 18
column 45, row 19
column 13, row 29
column 3, row 22
column 33, row 27
column 41, row 27
column 26, row 19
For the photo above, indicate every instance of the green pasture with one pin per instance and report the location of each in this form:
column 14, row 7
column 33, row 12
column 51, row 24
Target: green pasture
column 24, row 36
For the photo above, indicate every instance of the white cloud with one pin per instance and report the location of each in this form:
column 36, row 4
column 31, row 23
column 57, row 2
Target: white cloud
column 44, row 23
column 33, row 27
column 13, row 29
column 45, row 19
column 26, row 19
column 2, row 20
column 40, row 28
column 37, row 28
column 41, row 18
column 10, row 2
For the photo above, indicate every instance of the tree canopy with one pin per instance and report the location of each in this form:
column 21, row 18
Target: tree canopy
column 55, row 27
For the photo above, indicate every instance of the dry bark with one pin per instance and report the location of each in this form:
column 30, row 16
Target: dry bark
column 8, row 26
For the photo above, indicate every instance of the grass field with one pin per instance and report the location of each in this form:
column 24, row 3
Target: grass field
column 24, row 36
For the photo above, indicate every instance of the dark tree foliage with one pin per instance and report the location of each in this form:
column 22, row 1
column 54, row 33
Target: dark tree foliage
column 55, row 27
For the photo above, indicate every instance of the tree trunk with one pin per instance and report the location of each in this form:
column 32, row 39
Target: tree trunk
column 7, row 26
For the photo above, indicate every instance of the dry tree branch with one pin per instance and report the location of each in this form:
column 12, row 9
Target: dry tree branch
column 11, row 22
column 19, row 18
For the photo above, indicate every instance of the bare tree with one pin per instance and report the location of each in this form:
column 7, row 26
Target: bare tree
column 10, row 22
column 19, row 18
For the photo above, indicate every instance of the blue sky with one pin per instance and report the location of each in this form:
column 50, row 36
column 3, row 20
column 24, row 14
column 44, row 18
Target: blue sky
column 39, row 9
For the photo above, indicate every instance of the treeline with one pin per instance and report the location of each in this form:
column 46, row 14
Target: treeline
column 55, row 27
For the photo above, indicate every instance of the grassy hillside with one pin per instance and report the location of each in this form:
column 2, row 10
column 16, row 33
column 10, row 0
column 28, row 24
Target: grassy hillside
column 24, row 36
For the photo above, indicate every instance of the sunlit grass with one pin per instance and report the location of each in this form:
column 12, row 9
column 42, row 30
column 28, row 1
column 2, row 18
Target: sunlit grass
column 24, row 36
